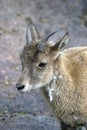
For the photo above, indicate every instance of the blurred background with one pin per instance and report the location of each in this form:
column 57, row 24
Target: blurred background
column 30, row 111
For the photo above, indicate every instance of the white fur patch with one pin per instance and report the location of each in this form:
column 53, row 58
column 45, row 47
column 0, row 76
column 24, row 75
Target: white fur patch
column 38, row 85
column 60, row 76
column 50, row 90
column 54, row 77
column 75, row 117
column 27, row 87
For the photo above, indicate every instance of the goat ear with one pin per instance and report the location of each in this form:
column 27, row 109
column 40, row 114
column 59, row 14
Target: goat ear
column 31, row 33
column 59, row 45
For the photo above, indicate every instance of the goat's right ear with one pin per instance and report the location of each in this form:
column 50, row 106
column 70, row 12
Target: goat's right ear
column 31, row 33
column 59, row 45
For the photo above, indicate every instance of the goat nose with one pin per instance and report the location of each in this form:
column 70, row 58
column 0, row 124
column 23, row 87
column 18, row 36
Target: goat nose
column 20, row 87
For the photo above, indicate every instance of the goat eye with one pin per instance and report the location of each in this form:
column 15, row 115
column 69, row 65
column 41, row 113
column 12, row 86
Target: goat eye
column 42, row 64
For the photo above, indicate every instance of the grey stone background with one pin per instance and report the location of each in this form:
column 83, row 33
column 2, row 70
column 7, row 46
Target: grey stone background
column 30, row 111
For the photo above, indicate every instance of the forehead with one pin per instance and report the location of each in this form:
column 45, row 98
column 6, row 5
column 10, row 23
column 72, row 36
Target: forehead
column 32, row 52
column 29, row 50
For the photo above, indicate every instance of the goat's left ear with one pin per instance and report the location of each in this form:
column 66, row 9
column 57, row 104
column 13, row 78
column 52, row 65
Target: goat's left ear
column 59, row 45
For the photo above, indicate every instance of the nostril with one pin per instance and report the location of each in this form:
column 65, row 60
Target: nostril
column 20, row 87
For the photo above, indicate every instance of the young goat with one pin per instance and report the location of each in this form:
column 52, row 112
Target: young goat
column 61, row 75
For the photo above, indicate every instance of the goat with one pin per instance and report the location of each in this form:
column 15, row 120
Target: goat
column 60, row 74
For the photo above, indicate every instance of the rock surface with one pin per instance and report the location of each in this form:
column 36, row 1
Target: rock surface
column 30, row 111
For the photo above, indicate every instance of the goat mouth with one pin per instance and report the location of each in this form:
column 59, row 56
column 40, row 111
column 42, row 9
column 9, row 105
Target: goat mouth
column 20, row 88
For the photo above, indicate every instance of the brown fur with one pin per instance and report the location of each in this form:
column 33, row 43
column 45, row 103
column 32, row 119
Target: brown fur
column 71, row 103
column 63, row 80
